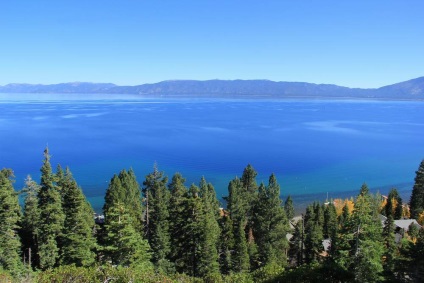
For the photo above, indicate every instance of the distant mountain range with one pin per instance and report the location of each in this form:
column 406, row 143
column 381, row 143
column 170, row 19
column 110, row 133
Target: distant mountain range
column 411, row 90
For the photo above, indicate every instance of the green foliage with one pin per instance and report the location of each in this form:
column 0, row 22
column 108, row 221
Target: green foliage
column 190, row 234
column 210, row 231
column 240, row 257
column 30, row 221
column 416, row 202
column 10, row 215
column 78, row 242
column 191, row 231
column 124, row 245
column 226, row 244
column 68, row 274
column 296, row 251
column 330, row 221
column 313, row 232
column 51, row 217
column 177, row 221
column 124, row 188
column 289, row 208
column 157, row 219
column 271, row 225
column 368, row 247
column 390, row 247
column 390, row 209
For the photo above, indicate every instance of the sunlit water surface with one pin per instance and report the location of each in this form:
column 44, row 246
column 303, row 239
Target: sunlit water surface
column 314, row 147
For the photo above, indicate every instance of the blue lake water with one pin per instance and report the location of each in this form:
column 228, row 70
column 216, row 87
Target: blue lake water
column 313, row 146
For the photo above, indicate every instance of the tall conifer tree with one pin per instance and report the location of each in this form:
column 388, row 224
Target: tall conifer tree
column 10, row 215
column 416, row 202
column 367, row 229
column 271, row 224
column 124, row 188
column 78, row 239
column 51, row 217
column 30, row 221
column 313, row 233
column 124, row 245
column 177, row 221
column 158, row 233
column 238, row 205
column 208, row 261
column 289, row 208
column 191, row 233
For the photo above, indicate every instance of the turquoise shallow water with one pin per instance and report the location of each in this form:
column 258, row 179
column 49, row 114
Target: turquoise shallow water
column 313, row 147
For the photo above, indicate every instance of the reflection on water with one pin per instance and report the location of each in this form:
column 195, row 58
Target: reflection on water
column 314, row 147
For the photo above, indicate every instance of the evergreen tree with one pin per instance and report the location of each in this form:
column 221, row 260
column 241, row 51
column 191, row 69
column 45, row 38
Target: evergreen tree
column 191, row 233
column 208, row 261
column 289, row 208
column 297, row 243
column 313, row 233
column 393, row 206
column 30, row 221
column 416, row 202
column 368, row 246
column 341, row 246
column 51, row 217
column 226, row 244
column 271, row 224
column 330, row 221
column 124, row 188
column 78, row 239
column 10, row 215
column 158, row 223
column 177, row 221
column 238, row 205
column 389, row 246
column 240, row 258
column 249, row 192
column 124, row 245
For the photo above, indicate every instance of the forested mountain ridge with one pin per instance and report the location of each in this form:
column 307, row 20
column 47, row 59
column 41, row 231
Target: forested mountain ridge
column 411, row 89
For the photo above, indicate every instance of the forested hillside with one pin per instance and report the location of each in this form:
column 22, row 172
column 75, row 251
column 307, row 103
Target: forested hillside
column 164, row 230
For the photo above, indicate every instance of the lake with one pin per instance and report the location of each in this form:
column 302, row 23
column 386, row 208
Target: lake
column 314, row 147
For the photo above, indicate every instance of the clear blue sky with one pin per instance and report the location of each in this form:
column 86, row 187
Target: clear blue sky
column 352, row 43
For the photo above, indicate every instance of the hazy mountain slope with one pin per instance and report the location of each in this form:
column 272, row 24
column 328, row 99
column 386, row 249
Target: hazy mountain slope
column 412, row 89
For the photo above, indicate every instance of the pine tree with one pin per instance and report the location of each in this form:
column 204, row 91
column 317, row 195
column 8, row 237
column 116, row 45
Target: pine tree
column 330, row 221
column 30, row 221
column 237, row 204
column 297, row 243
column 313, row 233
column 368, row 246
column 416, row 202
column 240, row 258
column 124, row 188
column 389, row 246
column 78, row 239
column 341, row 246
column 208, row 261
column 288, row 208
column 51, row 217
column 191, row 232
column 10, row 215
column 393, row 206
column 226, row 244
column 271, row 224
column 157, row 225
column 250, row 195
column 124, row 245
column 177, row 221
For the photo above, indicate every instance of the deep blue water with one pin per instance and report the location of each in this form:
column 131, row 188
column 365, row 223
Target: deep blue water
column 313, row 146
